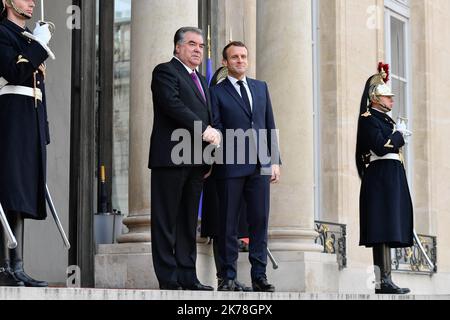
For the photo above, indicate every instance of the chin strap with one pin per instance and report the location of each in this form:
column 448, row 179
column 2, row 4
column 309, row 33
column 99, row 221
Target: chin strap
column 384, row 108
column 20, row 12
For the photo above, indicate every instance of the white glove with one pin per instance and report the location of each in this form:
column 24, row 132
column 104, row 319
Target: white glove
column 401, row 127
column 42, row 33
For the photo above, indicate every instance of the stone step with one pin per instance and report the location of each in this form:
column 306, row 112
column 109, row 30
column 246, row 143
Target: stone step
column 8, row 293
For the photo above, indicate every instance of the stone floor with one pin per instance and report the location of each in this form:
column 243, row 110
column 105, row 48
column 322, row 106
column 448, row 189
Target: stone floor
column 118, row 294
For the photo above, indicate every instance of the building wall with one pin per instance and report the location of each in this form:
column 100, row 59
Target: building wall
column 431, row 68
column 349, row 51
column 233, row 20
column 351, row 44
column 350, row 48
column 45, row 255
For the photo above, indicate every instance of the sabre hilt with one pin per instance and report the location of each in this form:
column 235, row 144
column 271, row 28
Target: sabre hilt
column 51, row 25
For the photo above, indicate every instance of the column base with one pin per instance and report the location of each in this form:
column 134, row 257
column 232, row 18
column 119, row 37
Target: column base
column 130, row 266
column 297, row 272
column 139, row 229
column 293, row 239
column 125, row 266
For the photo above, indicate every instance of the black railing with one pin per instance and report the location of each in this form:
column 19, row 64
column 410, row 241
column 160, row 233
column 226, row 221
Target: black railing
column 332, row 236
column 413, row 260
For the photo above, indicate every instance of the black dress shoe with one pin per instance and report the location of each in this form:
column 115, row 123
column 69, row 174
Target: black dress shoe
column 7, row 278
column 235, row 286
column 19, row 273
column 198, row 287
column 227, row 285
column 170, row 286
column 261, row 285
column 242, row 287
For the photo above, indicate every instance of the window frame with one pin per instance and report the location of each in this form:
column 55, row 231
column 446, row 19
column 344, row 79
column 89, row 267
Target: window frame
column 399, row 9
column 315, row 4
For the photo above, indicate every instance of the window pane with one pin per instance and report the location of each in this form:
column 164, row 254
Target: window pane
column 399, row 89
column 398, row 47
column 122, row 24
column 404, row 2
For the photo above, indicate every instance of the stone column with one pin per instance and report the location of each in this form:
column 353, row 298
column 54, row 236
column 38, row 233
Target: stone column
column 250, row 35
column 153, row 25
column 284, row 60
column 234, row 20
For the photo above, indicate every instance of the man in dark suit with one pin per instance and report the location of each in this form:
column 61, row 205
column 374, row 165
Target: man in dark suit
column 181, row 103
column 241, row 107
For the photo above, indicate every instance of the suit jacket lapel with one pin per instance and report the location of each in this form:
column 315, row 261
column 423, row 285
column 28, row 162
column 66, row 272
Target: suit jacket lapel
column 188, row 79
column 232, row 91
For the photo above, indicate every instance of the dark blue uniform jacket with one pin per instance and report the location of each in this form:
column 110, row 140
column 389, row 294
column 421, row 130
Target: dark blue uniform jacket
column 23, row 125
column 386, row 211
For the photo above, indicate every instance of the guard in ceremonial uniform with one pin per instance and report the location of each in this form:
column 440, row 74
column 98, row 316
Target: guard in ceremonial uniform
column 24, row 132
column 386, row 212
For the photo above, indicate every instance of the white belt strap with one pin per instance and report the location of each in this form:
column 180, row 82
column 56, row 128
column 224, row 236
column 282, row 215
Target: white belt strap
column 3, row 82
column 389, row 156
column 23, row 91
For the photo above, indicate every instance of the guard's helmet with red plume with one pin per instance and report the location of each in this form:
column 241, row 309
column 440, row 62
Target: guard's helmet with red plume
column 378, row 86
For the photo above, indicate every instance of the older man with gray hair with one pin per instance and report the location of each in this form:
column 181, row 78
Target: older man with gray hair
column 180, row 101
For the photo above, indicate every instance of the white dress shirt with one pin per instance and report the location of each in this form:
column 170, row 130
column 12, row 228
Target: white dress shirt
column 189, row 70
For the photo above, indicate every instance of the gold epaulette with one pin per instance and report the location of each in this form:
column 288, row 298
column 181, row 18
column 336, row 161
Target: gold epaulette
column 21, row 59
column 389, row 144
column 366, row 114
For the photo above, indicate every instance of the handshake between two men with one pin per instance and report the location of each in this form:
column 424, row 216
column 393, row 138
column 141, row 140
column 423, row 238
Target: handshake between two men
column 212, row 136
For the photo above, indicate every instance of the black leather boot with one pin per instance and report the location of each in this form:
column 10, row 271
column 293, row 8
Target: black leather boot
column 382, row 259
column 19, row 273
column 16, row 255
column 7, row 278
